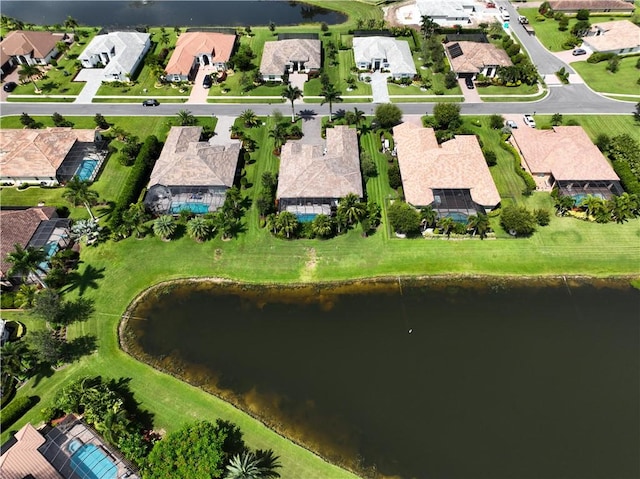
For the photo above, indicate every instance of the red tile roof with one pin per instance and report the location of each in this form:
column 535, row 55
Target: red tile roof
column 23, row 458
column 18, row 226
column 191, row 44
column 36, row 44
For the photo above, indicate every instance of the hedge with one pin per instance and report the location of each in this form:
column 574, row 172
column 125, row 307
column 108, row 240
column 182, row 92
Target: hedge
column 598, row 57
column 16, row 409
column 627, row 177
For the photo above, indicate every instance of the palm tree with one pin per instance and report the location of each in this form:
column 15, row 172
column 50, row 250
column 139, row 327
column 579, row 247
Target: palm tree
column 164, row 226
column 479, row 224
column 26, row 295
column 564, row 203
column 14, row 358
column 446, row 224
column 286, row 223
column 330, row 95
column 292, row 93
column 353, row 209
column 244, row 466
column 322, row 226
column 428, row 217
column 279, row 135
column 26, row 261
column 29, row 72
column 249, row 118
column 199, row 228
column 427, row 26
column 621, row 208
column 77, row 192
column 271, row 223
column 268, row 463
column 186, row 118
column 71, row 23
column 591, row 204
column 358, row 116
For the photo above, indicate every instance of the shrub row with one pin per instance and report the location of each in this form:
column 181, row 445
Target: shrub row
column 529, row 182
column 16, row 409
column 628, row 179
column 598, row 57
column 138, row 177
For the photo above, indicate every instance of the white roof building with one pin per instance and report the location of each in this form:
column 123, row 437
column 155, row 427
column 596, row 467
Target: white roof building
column 384, row 53
column 118, row 54
column 447, row 12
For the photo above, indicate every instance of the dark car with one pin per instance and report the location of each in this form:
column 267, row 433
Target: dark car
column 579, row 51
column 207, row 82
column 151, row 102
column 9, row 86
column 469, row 82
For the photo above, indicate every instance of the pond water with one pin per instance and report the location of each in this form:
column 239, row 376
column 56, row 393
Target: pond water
column 121, row 14
column 445, row 379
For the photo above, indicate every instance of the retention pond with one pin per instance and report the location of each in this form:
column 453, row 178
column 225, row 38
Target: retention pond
column 438, row 379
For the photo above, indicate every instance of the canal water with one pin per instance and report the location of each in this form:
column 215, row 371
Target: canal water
column 444, row 379
column 121, row 14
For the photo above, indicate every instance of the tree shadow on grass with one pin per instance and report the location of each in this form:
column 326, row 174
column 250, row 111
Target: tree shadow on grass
column 87, row 279
column 77, row 348
column 40, row 372
column 142, row 416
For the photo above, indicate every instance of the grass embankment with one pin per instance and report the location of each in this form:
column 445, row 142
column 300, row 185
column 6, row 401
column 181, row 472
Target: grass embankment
column 126, row 268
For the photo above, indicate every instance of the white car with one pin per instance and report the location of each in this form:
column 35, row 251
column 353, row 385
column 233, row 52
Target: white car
column 529, row 121
column 512, row 124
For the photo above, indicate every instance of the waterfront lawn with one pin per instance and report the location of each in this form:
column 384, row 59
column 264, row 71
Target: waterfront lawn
column 602, row 80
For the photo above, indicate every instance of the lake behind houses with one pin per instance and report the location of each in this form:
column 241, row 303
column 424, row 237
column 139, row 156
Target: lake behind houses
column 437, row 379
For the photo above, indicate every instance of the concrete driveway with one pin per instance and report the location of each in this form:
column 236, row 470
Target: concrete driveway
column 379, row 86
column 470, row 96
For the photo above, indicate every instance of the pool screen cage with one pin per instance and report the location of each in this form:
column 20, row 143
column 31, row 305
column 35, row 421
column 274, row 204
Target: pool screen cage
column 455, row 203
column 580, row 189
column 162, row 199
column 80, row 151
column 73, row 430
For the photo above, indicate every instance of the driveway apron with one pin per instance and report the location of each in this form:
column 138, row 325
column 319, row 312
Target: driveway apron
column 379, row 87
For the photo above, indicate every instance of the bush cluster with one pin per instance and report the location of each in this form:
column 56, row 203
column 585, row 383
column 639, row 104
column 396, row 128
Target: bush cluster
column 597, row 57
column 529, row 182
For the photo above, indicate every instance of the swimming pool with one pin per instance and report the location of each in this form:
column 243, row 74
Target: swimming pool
column 578, row 197
column 197, row 208
column 306, row 217
column 458, row 217
column 90, row 462
column 86, row 169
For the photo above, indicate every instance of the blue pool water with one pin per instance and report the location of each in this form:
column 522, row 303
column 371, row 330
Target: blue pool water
column 306, row 217
column 50, row 249
column 458, row 217
column 197, row 208
column 86, row 169
column 578, row 197
column 90, row 462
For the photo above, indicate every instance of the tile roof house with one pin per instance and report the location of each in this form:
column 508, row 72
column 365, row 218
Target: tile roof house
column 312, row 179
column 38, row 227
column 191, row 174
column 288, row 56
column 47, row 157
column 565, row 157
column 31, row 48
column 573, row 6
column 452, row 177
column 384, row 53
column 194, row 49
column 23, row 459
column 118, row 54
column 447, row 13
column 621, row 36
column 469, row 59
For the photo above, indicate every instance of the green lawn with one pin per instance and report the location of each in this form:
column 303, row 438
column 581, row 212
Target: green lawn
column 508, row 90
column 602, row 80
column 612, row 125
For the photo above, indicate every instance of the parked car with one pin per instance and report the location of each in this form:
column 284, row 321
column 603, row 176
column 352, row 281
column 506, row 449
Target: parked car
column 150, row 102
column 512, row 124
column 491, row 5
column 9, row 86
column 523, row 20
column 469, row 82
column 529, row 121
column 207, row 82
column 579, row 51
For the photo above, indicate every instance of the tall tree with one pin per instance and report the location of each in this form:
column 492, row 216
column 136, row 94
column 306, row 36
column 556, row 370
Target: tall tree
column 322, row 226
column 26, row 262
column 427, row 26
column 353, row 209
column 330, row 95
column 71, row 23
column 292, row 93
column 199, row 228
column 479, row 224
column 279, row 135
column 15, row 359
column 446, row 224
column 249, row 118
column 78, row 191
column 186, row 118
column 286, row 224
